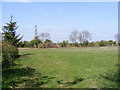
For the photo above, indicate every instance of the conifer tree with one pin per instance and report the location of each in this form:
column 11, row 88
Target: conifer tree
column 9, row 33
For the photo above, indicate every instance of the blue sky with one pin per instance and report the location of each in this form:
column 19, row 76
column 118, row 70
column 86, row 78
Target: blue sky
column 61, row 18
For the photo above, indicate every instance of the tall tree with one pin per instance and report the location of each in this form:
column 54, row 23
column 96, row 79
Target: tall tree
column 36, row 41
column 84, row 36
column 9, row 33
column 47, row 41
column 43, row 36
column 74, row 36
column 36, row 37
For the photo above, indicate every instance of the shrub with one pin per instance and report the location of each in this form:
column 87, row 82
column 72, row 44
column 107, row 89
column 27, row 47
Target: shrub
column 35, row 42
column 9, row 53
column 86, row 43
column 76, row 44
column 47, row 41
column 102, row 43
column 70, row 44
column 92, row 44
column 48, row 45
column 110, row 42
column 114, row 43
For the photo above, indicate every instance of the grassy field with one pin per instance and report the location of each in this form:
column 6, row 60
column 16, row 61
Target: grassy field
column 94, row 67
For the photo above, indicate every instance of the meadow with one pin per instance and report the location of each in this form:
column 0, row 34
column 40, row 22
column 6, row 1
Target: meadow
column 86, row 67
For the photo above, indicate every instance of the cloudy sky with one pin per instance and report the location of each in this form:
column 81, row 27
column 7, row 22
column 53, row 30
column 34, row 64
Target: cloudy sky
column 61, row 18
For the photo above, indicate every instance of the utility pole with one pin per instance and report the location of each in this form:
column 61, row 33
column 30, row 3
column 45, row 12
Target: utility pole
column 11, row 18
column 36, row 36
column 35, row 30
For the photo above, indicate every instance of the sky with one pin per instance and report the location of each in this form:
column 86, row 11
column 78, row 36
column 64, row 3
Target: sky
column 60, row 0
column 61, row 18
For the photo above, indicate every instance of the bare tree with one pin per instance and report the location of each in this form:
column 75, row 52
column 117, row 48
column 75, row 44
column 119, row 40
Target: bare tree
column 43, row 36
column 84, row 36
column 74, row 36
column 80, row 38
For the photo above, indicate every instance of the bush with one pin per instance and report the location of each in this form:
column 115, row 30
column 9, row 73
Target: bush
column 110, row 42
column 63, row 43
column 76, row 44
column 102, row 43
column 35, row 42
column 48, row 45
column 92, row 44
column 9, row 53
column 86, row 43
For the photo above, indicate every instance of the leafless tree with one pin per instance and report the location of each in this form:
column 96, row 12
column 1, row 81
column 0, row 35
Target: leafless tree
column 74, row 36
column 43, row 36
column 80, row 37
column 84, row 36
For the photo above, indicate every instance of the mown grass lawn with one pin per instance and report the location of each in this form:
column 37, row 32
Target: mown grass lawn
column 94, row 67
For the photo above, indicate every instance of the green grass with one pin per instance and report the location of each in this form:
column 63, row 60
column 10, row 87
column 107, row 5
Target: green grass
column 72, row 67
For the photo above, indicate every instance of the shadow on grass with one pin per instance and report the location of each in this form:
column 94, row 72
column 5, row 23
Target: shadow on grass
column 12, row 77
column 18, row 72
column 23, row 77
column 77, row 80
column 13, row 64
column 112, row 78
column 24, row 55
column 74, row 82
column 27, row 77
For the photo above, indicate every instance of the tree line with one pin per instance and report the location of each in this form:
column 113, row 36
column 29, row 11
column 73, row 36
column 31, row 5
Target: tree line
column 11, row 41
column 76, row 39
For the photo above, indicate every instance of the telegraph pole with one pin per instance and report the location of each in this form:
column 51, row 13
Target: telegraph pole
column 36, row 36
column 35, row 30
column 11, row 18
